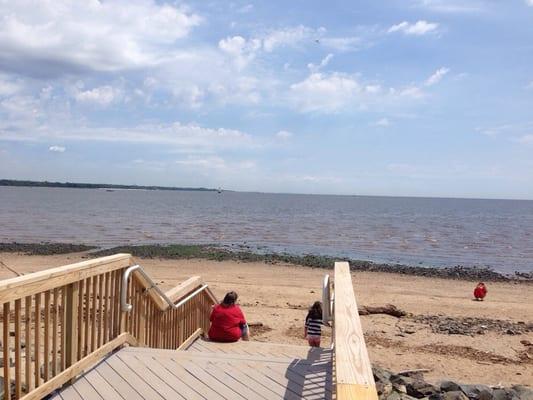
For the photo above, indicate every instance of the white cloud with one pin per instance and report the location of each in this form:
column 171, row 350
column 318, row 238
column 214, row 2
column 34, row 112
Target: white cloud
column 284, row 135
column 51, row 38
column 241, row 50
column 324, row 62
column 289, row 37
column 437, row 76
column 383, row 122
column 324, row 92
column 57, row 149
column 409, row 91
column 529, row 3
column 9, row 86
column 190, row 136
column 103, row 95
column 216, row 163
column 419, row 28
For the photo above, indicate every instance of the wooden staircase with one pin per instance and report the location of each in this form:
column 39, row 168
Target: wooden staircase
column 208, row 370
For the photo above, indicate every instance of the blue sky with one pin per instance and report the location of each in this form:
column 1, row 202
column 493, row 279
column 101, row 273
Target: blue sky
column 406, row 97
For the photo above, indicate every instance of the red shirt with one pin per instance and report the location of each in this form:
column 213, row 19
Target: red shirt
column 226, row 322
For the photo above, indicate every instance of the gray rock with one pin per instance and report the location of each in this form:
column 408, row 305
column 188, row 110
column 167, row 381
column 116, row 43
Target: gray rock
column 454, row 395
column 477, row 392
column 381, row 375
column 383, row 388
column 523, row 392
column 420, row 389
column 449, row 386
column 504, row 394
column 393, row 396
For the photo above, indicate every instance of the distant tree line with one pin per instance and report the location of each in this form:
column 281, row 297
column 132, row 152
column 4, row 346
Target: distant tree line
column 12, row 182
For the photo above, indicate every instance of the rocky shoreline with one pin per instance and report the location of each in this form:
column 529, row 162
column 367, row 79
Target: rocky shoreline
column 218, row 253
column 411, row 385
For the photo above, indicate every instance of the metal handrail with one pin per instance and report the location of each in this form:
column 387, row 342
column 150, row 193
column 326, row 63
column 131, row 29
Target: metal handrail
column 126, row 307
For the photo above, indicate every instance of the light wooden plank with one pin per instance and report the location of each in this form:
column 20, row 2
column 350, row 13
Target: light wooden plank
column 37, row 331
column 155, row 382
column 140, row 385
column 352, row 364
column 69, row 393
column 46, row 369
column 27, row 349
column 168, row 377
column 87, row 314
column 218, row 371
column 227, row 392
column 18, row 360
column 104, row 389
column 71, row 328
column 86, row 390
column 191, row 339
column 7, row 379
column 190, row 379
column 55, row 322
column 79, row 367
column 120, row 384
column 26, row 285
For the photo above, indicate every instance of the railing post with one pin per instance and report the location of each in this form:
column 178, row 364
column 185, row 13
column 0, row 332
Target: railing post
column 71, row 324
column 142, row 320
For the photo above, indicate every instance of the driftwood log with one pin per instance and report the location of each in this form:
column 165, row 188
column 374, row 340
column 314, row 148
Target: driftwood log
column 388, row 309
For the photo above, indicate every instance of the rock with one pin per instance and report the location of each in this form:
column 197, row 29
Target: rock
column 504, row 394
column 384, row 388
column 523, row 392
column 381, row 375
column 421, row 389
column 454, row 395
column 477, row 392
column 393, row 396
column 449, row 386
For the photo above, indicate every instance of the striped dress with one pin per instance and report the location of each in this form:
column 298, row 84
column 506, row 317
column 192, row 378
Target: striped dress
column 314, row 326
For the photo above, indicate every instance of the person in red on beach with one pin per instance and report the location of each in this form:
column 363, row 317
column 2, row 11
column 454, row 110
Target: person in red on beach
column 227, row 321
column 480, row 291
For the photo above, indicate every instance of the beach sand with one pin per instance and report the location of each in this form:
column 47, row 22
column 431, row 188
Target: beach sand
column 278, row 295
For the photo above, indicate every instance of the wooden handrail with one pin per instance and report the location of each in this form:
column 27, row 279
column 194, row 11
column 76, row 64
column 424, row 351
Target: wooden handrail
column 70, row 315
column 27, row 285
column 353, row 371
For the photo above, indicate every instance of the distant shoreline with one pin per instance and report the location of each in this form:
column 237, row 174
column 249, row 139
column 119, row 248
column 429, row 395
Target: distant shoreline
column 219, row 253
column 23, row 183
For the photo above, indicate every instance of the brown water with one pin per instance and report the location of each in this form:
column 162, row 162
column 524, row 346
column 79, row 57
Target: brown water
column 438, row 232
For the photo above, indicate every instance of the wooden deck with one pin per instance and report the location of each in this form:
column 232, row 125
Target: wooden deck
column 207, row 370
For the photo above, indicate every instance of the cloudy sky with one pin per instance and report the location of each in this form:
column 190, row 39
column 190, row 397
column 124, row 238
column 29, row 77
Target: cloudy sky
column 390, row 97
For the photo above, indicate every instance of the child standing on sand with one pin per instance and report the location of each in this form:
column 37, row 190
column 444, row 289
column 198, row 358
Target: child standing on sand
column 313, row 324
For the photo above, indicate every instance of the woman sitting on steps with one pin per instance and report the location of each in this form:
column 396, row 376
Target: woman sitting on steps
column 227, row 321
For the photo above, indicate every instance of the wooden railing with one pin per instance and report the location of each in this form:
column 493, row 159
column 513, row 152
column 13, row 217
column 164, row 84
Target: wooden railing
column 353, row 371
column 56, row 322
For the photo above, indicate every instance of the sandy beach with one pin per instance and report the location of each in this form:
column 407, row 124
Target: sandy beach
column 445, row 332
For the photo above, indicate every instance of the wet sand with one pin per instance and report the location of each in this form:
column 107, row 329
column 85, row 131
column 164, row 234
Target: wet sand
column 278, row 296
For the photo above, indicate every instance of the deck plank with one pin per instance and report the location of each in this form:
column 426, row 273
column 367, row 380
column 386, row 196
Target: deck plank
column 104, row 389
column 172, row 380
column 209, row 371
column 145, row 390
column 160, row 386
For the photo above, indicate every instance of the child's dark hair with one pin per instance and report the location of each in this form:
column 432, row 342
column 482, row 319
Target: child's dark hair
column 315, row 312
column 230, row 298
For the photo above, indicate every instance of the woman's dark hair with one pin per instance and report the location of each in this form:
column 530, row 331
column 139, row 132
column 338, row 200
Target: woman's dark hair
column 230, row 298
column 315, row 312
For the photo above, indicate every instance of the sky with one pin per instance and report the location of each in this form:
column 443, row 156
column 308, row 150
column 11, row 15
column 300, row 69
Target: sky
column 377, row 97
